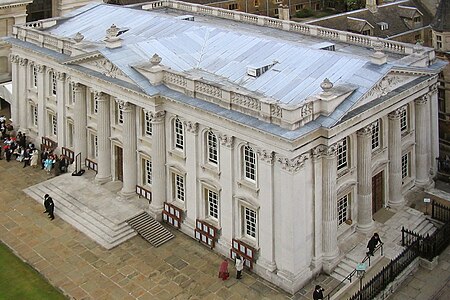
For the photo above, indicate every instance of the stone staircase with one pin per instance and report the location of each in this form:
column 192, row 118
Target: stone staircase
column 150, row 229
column 87, row 209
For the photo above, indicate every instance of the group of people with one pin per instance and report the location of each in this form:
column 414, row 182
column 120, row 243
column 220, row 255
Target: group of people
column 223, row 270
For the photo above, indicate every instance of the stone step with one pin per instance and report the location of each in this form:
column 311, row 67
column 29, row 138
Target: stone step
column 151, row 230
column 90, row 225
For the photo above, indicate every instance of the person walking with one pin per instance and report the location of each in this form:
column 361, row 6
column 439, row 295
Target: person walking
column 49, row 206
column 318, row 292
column 239, row 266
column 372, row 244
column 223, row 270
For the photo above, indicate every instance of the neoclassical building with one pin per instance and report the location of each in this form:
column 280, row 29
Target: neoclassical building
column 267, row 138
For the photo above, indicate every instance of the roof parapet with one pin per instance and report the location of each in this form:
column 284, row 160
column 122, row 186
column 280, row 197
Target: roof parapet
column 379, row 57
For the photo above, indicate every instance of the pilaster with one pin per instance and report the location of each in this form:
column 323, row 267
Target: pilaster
column 40, row 69
column 22, row 77
column 317, row 154
column 434, row 125
column 422, row 143
column 15, row 91
column 158, row 163
column 364, row 169
column 129, row 149
column 395, row 159
column 80, row 140
column 193, row 197
column 103, row 135
column 60, row 107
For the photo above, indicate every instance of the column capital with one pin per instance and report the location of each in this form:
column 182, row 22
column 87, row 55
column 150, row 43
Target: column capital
column 433, row 89
column 23, row 61
column 317, row 152
column 365, row 131
column 226, row 140
column 155, row 116
column 39, row 68
column 14, row 58
column 266, row 156
column 293, row 165
column 100, row 96
column 60, row 76
column 331, row 151
column 191, row 127
column 125, row 106
column 421, row 100
column 396, row 114
column 77, row 87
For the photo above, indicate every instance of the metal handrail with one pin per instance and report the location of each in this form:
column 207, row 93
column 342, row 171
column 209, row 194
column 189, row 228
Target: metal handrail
column 352, row 273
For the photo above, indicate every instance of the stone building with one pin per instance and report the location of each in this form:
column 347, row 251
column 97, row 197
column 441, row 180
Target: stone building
column 271, row 139
column 44, row 9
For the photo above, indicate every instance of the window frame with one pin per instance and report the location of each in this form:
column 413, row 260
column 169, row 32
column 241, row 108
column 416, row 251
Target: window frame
column 53, row 83
column 249, row 164
column 35, row 76
column 34, row 115
column 212, row 204
column 249, row 226
column 404, row 120
column 376, row 135
column 147, row 171
column 342, row 155
column 405, row 165
column 343, row 211
column 178, row 131
column 147, row 126
column 53, row 122
column 179, row 187
column 212, row 148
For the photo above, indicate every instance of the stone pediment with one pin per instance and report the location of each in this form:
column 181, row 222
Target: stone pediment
column 96, row 61
column 387, row 84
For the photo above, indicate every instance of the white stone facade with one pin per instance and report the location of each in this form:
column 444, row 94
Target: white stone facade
column 290, row 199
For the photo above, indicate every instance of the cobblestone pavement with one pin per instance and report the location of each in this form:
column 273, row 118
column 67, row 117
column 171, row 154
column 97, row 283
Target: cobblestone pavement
column 80, row 268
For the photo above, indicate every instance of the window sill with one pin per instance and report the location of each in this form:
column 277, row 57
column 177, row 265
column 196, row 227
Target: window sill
column 179, row 204
column 250, row 242
column 248, row 185
column 344, row 229
column 213, row 223
column 214, row 170
column 177, row 153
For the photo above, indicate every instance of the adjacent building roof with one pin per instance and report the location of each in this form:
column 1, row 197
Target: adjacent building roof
column 441, row 21
column 394, row 14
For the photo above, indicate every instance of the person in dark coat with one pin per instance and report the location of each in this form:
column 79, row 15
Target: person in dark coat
column 49, row 206
column 373, row 242
column 318, row 293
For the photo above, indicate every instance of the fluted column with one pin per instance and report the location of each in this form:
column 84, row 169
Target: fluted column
column 23, row 120
column 103, row 134
column 80, row 141
column 422, row 144
column 329, row 206
column 15, row 90
column 159, row 180
column 129, row 149
column 317, row 154
column 434, row 127
column 40, row 69
column 395, row 159
column 364, row 168
column 60, row 107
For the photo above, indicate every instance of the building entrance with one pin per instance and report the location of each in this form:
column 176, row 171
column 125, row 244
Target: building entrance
column 377, row 192
column 119, row 163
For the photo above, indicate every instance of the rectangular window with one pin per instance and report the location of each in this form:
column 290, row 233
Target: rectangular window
column 34, row 76
column 119, row 114
column 54, row 124
column 213, row 204
column 95, row 105
column 72, row 94
column 438, row 41
column 343, row 207
column 179, row 135
column 404, row 120
column 342, row 153
column 34, row 114
column 256, row 2
column 212, row 148
column 70, row 134
column 376, row 135
column 179, row 187
column 147, row 172
column 417, row 19
column 232, row 6
column 250, row 222
column 53, row 83
column 148, row 128
column 95, row 146
column 405, row 166
column 366, row 32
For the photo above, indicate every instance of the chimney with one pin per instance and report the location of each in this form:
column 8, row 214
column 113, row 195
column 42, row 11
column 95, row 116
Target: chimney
column 112, row 41
column 371, row 5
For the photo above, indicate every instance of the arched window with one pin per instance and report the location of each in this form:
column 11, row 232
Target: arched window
column 249, row 163
column 179, row 134
column 212, row 148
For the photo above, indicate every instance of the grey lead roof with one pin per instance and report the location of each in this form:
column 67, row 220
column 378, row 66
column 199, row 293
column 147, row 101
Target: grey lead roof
column 219, row 55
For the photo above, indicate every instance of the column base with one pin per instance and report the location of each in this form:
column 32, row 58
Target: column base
column 270, row 266
column 102, row 180
column 127, row 194
column 364, row 228
column 396, row 204
column 155, row 212
column 330, row 261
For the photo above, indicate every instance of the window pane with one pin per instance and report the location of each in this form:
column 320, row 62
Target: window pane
column 342, row 154
column 148, row 129
column 213, row 204
column 376, row 135
column 148, row 172
column 179, row 187
column 249, row 163
column 342, row 209
column 250, row 222
column 405, row 166
column 179, row 136
column 212, row 148
column 404, row 120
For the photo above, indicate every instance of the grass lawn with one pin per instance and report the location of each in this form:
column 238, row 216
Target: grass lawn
column 19, row 281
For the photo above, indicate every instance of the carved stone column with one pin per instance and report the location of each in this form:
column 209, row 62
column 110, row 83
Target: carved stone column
column 40, row 69
column 129, row 149
column 364, row 168
column 159, row 180
column 329, row 202
column 80, row 141
column 395, row 159
column 103, row 135
column 22, row 95
column 266, row 211
column 422, row 144
column 317, row 154
column 191, row 151
column 15, row 90
column 60, row 108
column 434, row 127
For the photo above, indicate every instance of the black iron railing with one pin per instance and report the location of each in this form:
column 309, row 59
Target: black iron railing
column 440, row 212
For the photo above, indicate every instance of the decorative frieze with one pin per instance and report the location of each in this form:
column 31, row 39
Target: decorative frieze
column 208, row 89
column 276, row 111
column 23, row 61
column 293, row 165
column 107, row 68
column 14, row 58
column 396, row 114
column 422, row 99
column 306, row 110
column 318, row 152
column 175, row 79
column 60, row 76
column 226, row 140
column 155, row 116
column 265, row 155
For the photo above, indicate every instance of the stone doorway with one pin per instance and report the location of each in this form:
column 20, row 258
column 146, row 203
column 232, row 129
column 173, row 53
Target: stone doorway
column 377, row 192
column 119, row 163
